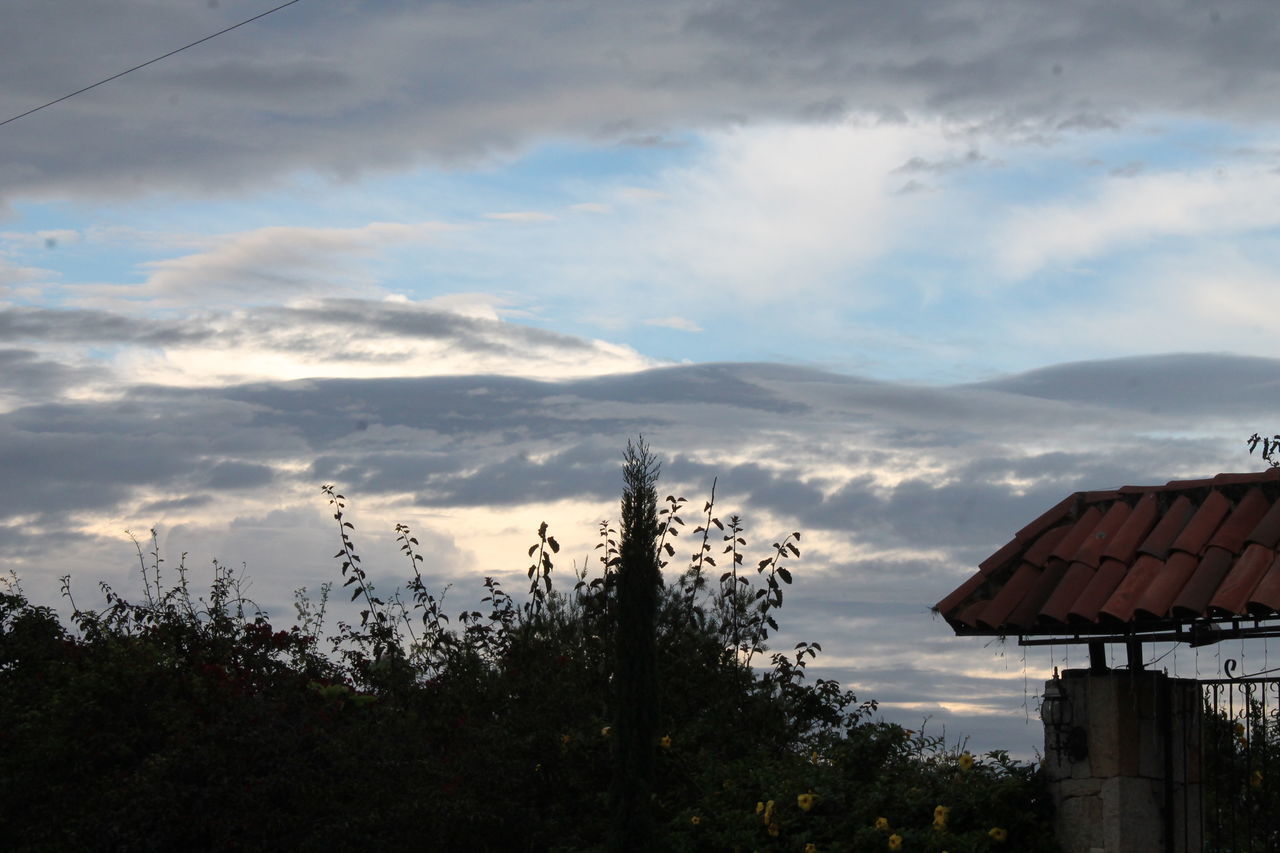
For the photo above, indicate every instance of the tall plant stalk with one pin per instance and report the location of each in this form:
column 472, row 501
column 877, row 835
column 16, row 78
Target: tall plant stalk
column 635, row 676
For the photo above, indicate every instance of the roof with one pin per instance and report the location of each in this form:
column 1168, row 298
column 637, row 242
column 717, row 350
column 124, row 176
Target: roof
column 1135, row 559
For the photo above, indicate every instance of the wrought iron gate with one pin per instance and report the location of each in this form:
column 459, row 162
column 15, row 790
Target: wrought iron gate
column 1240, row 763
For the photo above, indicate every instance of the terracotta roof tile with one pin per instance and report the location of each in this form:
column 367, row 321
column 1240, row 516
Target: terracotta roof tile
column 1268, row 530
column 1067, row 591
column 1008, row 598
column 1266, row 596
column 1135, row 558
column 1023, row 618
column 1101, row 585
column 1203, row 524
column 1124, row 544
column 1237, row 587
column 1175, row 518
column 1248, row 512
column 1193, row 601
column 1166, row 585
column 1071, row 542
column 1125, row 597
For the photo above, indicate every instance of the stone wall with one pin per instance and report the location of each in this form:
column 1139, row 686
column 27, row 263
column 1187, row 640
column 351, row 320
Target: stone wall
column 1122, row 755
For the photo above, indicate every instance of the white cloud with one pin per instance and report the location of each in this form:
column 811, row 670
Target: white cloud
column 522, row 216
column 267, row 264
column 681, row 324
column 1124, row 212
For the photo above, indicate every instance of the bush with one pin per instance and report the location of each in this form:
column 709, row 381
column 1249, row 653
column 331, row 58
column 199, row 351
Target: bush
column 197, row 724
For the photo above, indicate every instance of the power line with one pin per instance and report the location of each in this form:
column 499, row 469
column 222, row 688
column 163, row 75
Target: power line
column 148, row 62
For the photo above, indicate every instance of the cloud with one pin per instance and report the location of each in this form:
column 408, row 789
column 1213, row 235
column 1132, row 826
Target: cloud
column 268, row 264
column 1129, row 210
column 678, row 323
column 522, row 216
column 323, row 337
column 899, row 489
column 377, row 88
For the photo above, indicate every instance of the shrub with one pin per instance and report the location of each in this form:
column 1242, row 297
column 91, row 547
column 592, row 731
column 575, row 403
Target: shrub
column 197, row 724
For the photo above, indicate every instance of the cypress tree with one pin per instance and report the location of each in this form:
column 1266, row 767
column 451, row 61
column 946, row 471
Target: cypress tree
column 635, row 676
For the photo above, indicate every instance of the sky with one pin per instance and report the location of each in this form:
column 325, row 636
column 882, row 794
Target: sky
column 897, row 275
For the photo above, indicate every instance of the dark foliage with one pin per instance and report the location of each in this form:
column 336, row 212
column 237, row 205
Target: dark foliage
column 195, row 723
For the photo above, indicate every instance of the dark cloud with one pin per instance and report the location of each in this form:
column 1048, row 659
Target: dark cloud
column 378, row 86
column 80, row 326
column 26, row 375
column 899, row 490
column 1197, row 385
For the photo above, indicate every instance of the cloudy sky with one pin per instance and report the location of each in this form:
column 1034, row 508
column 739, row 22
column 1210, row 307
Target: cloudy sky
column 900, row 274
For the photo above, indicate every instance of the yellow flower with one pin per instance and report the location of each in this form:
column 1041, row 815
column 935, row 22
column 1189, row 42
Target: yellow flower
column 811, row 848
column 966, row 762
column 695, row 820
column 998, row 835
column 564, row 740
column 665, row 741
column 895, row 842
column 607, row 731
column 773, row 830
column 940, row 817
column 1239, row 729
column 806, row 801
column 759, row 807
column 1256, row 780
column 882, row 824
column 768, row 812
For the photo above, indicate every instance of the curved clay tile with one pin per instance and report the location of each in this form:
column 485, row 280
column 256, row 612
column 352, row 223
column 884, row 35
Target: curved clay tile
column 1090, row 551
column 1125, row 596
column 959, row 594
column 1167, row 529
column 1066, row 549
column 1068, row 590
column 970, row 615
column 1124, row 544
column 1266, row 596
column 1232, row 597
column 1194, row 599
column 1010, row 596
column 1248, row 512
column 1024, row 616
column 1203, row 524
column 1103, row 583
column 1040, row 550
column 1267, row 531
column 1160, row 595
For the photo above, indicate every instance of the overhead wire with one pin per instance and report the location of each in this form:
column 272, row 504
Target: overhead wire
column 148, row 62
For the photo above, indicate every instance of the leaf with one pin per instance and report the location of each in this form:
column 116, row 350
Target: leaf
column 796, row 535
column 555, row 546
column 339, row 554
column 724, row 577
column 532, row 548
column 772, row 623
column 763, row 563
column 348, row 524
column 784, row 574
column 717, row 523
column 791, row 546
column 671, row 552
column 355, row 593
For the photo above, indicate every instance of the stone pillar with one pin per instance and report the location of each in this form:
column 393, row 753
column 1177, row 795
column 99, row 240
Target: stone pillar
column 1122, row 757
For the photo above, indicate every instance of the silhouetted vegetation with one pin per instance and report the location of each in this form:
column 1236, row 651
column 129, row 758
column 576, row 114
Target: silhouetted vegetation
column 192, row 722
